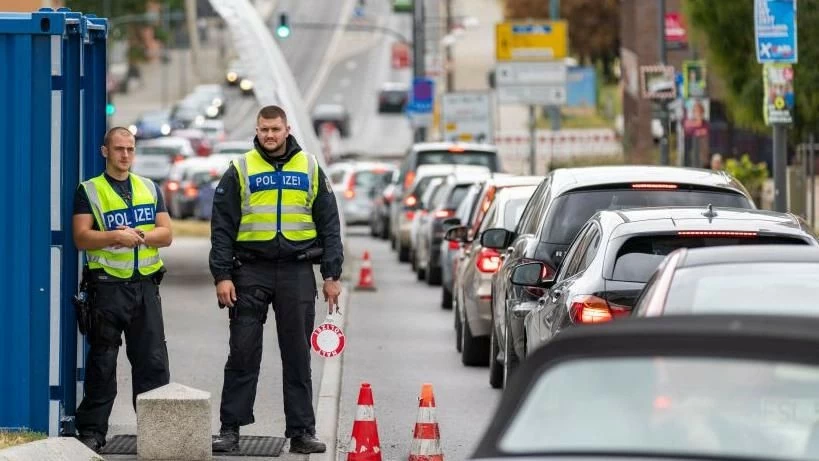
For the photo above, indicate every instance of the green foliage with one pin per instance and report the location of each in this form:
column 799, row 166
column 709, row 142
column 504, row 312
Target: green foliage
column 751, row 175
column 726, row 28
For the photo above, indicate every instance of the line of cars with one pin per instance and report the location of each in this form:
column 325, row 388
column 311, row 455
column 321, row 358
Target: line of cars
column 186, row 151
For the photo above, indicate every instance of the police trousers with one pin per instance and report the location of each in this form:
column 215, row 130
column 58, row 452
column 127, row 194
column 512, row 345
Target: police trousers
column 133, row 308
column 291, row 288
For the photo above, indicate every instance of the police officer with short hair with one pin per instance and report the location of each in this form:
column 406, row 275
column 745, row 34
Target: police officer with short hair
column 120, row 221
column 273, row 212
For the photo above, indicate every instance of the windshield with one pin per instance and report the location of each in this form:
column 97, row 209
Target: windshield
column 639, row 257
column 756, row 288
column 710, row 407
column 570, row 211
column 468, row 157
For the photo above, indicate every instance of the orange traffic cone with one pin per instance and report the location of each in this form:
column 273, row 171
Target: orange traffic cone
column 365, row 276
column 426, row 442
column 364, row 444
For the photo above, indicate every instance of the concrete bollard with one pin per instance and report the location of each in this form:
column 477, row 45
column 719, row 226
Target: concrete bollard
column 173, row 423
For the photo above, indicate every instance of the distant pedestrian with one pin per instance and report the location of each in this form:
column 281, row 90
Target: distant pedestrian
column 274, row 214
column 716, row 162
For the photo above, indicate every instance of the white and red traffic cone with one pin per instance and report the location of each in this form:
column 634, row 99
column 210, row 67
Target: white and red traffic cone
column 364, row 444
column 426, row 440
column 365, row 275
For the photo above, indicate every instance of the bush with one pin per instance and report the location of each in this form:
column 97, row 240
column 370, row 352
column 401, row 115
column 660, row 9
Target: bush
column 751, row 175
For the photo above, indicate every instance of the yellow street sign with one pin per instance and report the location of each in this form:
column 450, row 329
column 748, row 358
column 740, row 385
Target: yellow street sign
column 528, row 41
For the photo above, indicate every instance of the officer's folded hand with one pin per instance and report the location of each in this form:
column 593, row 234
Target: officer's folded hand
column 128, row 237
column 226, row 293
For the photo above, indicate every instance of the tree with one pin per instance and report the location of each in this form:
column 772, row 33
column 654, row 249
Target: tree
column 726, row 29
column 594, row 26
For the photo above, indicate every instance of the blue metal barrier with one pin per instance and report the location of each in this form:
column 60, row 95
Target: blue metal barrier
column 52, row 84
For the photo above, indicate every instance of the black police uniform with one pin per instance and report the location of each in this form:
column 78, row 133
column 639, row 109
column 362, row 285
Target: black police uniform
column 131, row 306
column 268, row 272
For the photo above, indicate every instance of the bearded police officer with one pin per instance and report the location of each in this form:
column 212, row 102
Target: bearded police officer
column 274, row 214
column 120, row 221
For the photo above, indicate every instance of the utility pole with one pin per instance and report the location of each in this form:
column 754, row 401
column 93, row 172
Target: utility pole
column 663, row 104
column 450, row 76
column 193, row 33
column 554, row 111
column 418, row 53
column 780, row 166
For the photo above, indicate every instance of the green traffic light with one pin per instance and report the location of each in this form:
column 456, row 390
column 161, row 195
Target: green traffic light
column 110, row 109
column 283, row 31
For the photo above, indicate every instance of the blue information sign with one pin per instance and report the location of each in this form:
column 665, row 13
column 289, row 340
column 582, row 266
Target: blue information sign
column 423, row 94
column 775, row 30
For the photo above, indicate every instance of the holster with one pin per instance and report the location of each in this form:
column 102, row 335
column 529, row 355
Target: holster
column 82, row 302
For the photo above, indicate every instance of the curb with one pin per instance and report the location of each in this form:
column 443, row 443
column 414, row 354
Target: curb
column 329, row 397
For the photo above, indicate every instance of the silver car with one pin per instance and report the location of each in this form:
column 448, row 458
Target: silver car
column 155, row 157
column 450, row 249
column 474, row 288
column 354, row 184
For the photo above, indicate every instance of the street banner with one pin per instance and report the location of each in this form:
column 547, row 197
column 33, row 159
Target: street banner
column 694, row 79
column 779, row 100
column 775, row 31
column 697, row 115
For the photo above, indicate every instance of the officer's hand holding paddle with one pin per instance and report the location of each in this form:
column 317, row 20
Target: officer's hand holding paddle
column 331, row 289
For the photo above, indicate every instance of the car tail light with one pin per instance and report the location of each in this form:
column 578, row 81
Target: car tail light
column 717, row 234
column 593, row 309
column 173, row 186
column 453, row 245
column 456, row 149
column 545, row 274
column 654, row 186
column 409, row 214
column 350, row 192
column 389, row 196
column 409, row 179
column 410, row 201
column 191, row 191
column 444, row 213
column 177, row 158
column 488, row 260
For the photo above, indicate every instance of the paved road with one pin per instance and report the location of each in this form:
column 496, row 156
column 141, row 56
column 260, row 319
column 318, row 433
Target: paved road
column 398, row 338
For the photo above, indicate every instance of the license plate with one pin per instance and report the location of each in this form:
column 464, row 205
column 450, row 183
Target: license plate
column 804, row 411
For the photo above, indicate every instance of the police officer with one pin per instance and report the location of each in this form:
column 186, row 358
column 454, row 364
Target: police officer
column 120, row 221
column 271, row 210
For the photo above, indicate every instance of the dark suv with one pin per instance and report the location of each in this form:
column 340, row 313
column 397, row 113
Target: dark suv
column 562, row 203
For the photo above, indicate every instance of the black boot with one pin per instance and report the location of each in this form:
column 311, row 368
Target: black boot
column 91, row 442
column 228, row 440
column 306, row 444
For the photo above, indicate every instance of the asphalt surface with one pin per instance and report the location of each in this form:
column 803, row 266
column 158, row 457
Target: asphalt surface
column 398, row 339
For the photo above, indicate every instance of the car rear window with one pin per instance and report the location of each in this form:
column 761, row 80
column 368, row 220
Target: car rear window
column 467, row 157
column 640, row 256
column 422, row 185
column 457, row 196
column 512, row 212
column 570, row 211
column 167, row 150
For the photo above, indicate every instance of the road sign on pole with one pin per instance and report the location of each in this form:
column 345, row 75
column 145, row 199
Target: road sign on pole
column 539, row 83
column 540, row 41
column 421, row 101
column 775, row 31
column 467, row 116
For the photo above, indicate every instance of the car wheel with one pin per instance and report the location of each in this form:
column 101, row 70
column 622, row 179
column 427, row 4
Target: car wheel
column 459, row 330
column 446, row 298
column 496, row 375
column 510, row 358
column 433, row 274
column 412, row 261
column 474, row 351
column 403, row 252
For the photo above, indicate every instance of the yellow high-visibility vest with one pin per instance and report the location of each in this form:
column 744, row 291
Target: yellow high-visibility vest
column 110, row 211
column 277, row 201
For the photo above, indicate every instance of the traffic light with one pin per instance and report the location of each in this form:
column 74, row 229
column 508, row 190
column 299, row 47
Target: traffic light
column 283, row 31
column 110, row 109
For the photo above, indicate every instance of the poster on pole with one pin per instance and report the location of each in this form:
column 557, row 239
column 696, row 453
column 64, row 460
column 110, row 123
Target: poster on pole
column 697, row 114
column 694, row 79
column 467, row 117
column 775, row 31
column 779, row 99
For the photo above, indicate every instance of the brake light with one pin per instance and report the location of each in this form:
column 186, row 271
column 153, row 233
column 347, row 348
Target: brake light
column 191, row 191
column 457, row 149
column 592, row 309
column 389, row 196
column 409, row 179
column 488, row 260
column 662, row 402
column 173, row 186
column 655, row 186
column 410, row 201
column 350, row 192
column 177, row 158
column 545, row 274
column 444, row 213
column 453, row 245
column 409, row 214
column 716, row 234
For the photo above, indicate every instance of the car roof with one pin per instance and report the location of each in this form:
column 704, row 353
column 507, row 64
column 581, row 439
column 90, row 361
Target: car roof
column 393, row 86
column 749, row 254
column 507, row 193
column 662, row 219
column 447, row 168
column 503, row 180
column 232, row 144
column 164, row 141
column 763, row 337
column 438, row 146
column 568, row 179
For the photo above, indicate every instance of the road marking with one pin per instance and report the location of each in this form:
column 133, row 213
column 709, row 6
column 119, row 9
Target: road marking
column 326, row 62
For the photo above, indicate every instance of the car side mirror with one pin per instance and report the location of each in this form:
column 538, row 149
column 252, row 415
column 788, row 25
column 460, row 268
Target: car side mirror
column 496, row 238
column 457, row 234
column 531, row 275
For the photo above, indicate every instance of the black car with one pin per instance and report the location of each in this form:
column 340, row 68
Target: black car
column 704, row 387
column 763, row 279
column 393, row 98
column 564, row 201
column 616, row 252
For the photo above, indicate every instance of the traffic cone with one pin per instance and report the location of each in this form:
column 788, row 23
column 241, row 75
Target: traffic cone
column 364, row 444
column 426, row 441
column 365, row 275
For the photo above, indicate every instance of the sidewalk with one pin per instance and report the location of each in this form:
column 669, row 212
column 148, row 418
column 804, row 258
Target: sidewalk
column 162, row 85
